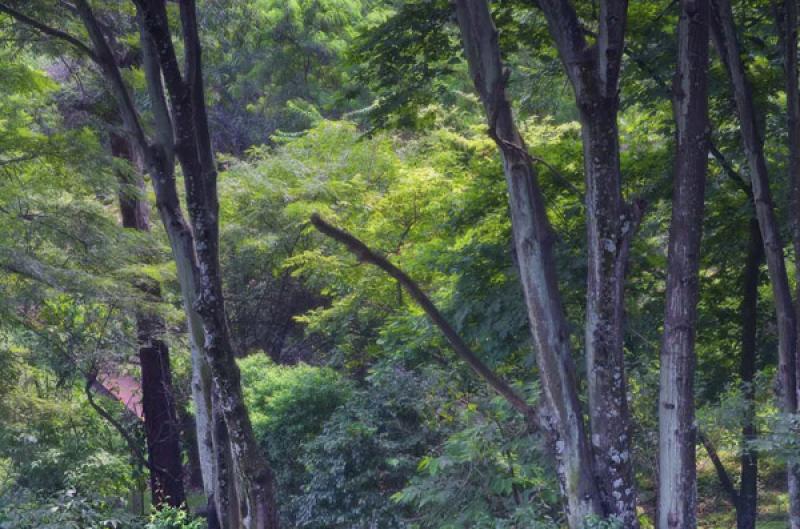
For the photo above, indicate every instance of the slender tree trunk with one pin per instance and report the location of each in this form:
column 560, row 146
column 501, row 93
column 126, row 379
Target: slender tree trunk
column 677, row 483
column 533, row 239
column 746, row 509
column 162, row 430
column 789, row 43
column 724, row 33
column 254, row 480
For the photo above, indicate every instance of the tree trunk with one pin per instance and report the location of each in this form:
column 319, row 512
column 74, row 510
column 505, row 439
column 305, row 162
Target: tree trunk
column 196, row 258
column 677, row 484
column 607, row 222
column 789, row 42
column 593, row 71
column 162, row 170
column 254, row 481
column 746, row 510
column 162, row 429
column 533, row 239
column 724, row 33
column 161, row 421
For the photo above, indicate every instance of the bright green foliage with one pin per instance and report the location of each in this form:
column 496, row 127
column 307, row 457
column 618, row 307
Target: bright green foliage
column 173, row 518
column 51, row 443
column 290, row 405
column 437, row 207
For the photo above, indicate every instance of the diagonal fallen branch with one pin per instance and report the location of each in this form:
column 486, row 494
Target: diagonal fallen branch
column 722, row 473
column 364, row 254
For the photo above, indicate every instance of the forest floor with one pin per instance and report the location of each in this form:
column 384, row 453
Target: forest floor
column 715, row 511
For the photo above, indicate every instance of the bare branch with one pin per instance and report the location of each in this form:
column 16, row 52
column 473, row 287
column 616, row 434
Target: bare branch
column 364, row 254
column 724, row 478
column 51, row 31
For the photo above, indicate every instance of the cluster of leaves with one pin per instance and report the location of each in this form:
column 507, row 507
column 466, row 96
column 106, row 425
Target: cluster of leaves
column 67, row 510
column 277, row 66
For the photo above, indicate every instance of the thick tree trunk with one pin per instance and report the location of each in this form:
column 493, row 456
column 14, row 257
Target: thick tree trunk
column 196, row 258
column 677, row 484
column 533, row 239
column 724, row 33
column 162, row 430
column 593, row 71
column 607, row 222
column 160, row 417
column 746, row 510
column 162, row 170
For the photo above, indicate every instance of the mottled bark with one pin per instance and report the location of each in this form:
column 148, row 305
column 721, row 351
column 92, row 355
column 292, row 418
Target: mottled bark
column 195, row 253
column 677, row 483
column 725, row 40
column 593, row 71
column 254, row 481
column 533, row 240
column 194, row 248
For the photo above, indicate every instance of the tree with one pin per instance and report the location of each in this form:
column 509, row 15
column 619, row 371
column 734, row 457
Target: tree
column 725, row 40
column 242, row 491
column 677, row 487
column 597, row 477
column 158, row 400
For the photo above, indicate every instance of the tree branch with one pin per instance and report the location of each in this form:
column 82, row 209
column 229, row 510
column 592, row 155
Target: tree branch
column 47, row 30
column 91, row 380
column 723, row 162
column 366, row 255
column 107, row 62
column 724, row 478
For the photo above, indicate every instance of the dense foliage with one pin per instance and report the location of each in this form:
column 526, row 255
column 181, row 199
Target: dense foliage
column 363, row 112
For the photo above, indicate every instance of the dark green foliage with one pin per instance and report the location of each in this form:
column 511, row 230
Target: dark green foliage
column 408, row 59
column 366, row 451
column 67, row 510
